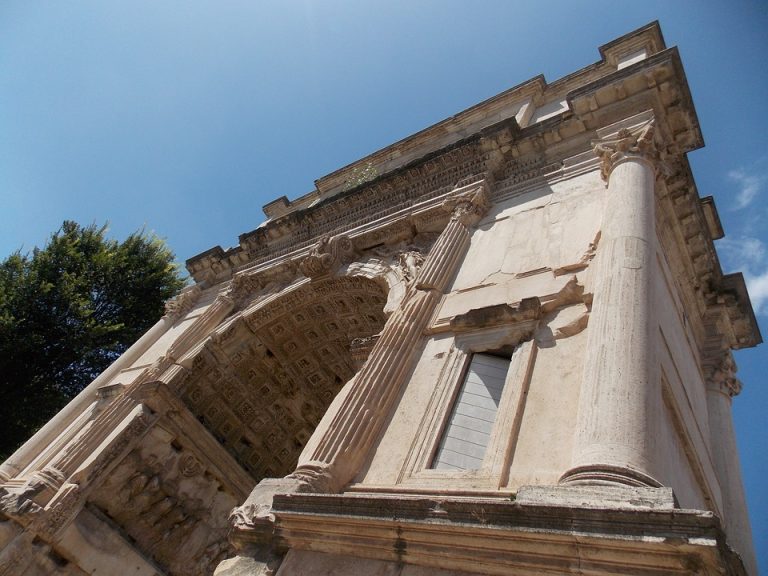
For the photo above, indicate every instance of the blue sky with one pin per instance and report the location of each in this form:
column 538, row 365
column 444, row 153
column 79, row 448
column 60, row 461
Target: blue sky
column 186, row 117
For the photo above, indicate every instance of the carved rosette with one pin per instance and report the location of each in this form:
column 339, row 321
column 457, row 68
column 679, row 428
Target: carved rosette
column 189, row 466
column 327, row 256
column 637, row 143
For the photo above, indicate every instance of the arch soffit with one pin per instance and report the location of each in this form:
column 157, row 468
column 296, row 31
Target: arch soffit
column 261, row 383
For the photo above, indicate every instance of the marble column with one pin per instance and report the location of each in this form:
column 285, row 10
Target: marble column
column 722, row 386
column 620, row 386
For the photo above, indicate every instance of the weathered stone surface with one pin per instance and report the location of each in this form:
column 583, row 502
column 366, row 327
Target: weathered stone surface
column 495, row 536
column 607, row 497
column 284, row 416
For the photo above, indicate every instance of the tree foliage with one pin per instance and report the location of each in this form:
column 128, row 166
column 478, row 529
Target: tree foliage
column 69, row 310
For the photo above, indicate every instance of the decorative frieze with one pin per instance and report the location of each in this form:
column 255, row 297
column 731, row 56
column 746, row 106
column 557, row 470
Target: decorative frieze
column 427, row 178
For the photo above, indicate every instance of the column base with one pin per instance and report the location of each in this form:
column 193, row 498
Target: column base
column 252, row 531
column 315, row 477
column 607, row 475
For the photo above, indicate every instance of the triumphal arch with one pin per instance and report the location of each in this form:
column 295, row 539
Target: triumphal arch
column 499, row 346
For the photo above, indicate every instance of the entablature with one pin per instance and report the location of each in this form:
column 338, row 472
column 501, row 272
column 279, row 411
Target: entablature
column 515, row 108
column 512, row 151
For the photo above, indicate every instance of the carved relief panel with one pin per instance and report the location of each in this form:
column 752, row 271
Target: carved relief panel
column 164, row 499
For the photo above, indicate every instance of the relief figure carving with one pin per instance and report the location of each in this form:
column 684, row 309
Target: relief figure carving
column 408, row 265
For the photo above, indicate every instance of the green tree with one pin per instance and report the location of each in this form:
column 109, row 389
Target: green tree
column 69, row 310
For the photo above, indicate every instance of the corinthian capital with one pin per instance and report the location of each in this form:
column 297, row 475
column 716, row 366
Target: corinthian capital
column 628, row 143
column 243, row 286
column 469, row 205
column 723, row 378
column 176, row 307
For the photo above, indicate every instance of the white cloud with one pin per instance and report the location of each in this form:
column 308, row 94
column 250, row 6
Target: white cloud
column 749, row 187
column 749, row 255
column 757, row 286
column 742, row 252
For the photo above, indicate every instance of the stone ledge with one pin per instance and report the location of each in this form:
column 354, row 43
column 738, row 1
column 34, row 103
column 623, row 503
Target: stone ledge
column 619, row 517
column 600, row 497
column 638, row 533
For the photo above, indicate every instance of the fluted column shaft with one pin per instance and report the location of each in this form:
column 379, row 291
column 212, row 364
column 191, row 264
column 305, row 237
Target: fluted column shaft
column 337, row 456
column 721, row 388
column 615, row 431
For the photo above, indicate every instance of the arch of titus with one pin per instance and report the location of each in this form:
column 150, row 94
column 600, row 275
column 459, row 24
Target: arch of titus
column 499, row 346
